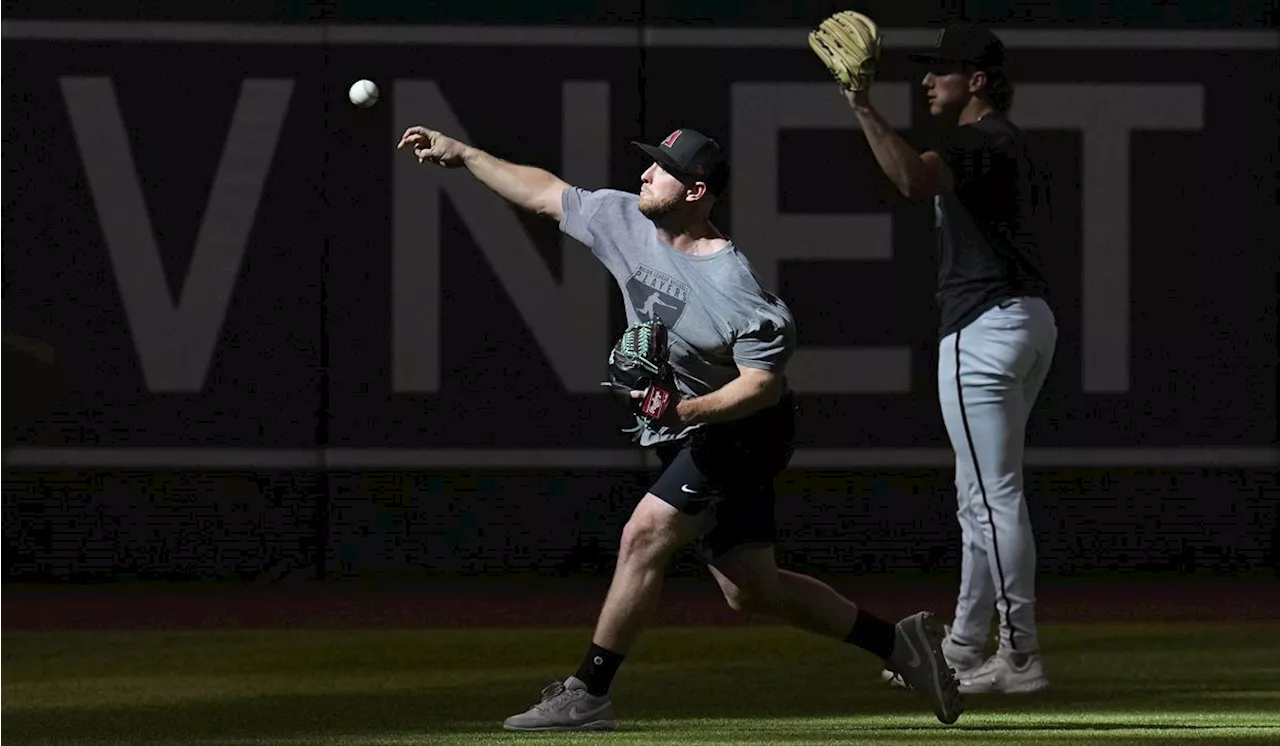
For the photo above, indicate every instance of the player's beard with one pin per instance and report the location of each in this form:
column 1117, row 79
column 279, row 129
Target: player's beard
column 654, row 208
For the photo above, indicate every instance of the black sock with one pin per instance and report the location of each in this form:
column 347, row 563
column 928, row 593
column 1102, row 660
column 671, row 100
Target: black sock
column 873, row 634
column 598, row 668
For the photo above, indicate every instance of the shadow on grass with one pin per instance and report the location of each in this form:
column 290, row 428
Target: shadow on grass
column 688, row 676
column 481, row 709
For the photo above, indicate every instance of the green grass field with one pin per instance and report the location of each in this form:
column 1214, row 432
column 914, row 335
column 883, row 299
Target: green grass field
column 1147, row 684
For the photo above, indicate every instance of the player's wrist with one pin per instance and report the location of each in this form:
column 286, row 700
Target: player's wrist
column 860, row 102
column 471, row 154
column 685, row 411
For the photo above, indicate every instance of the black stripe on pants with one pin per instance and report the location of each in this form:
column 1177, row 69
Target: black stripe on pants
column 977, row 470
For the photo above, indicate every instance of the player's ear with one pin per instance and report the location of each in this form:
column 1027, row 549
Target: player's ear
column 695, row 191
column 977, row 81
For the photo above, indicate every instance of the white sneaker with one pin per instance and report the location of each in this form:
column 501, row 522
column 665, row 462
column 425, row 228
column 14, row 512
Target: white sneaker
column 1007, row 673
column 965, row 661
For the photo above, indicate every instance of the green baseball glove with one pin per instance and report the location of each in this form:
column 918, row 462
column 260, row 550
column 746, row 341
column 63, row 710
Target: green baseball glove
column 640, row 362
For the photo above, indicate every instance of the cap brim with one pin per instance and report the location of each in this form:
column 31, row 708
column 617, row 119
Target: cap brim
column 664, row 160
column 717, row 182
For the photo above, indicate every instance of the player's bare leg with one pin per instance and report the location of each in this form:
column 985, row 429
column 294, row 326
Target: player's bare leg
column 810, row 604
column 752, row 582
column 654, row 533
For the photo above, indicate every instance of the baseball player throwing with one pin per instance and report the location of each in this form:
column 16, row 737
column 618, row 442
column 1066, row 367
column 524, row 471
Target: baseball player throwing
column 715, row 345
column 997, row 331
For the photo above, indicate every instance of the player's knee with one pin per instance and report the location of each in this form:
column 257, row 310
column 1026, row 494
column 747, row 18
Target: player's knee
column 645, row 540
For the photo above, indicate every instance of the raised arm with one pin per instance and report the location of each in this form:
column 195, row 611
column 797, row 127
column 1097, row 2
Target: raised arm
column 917, row 176
column 527, row 187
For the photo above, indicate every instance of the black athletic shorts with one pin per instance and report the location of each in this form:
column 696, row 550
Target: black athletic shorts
column 729, row 468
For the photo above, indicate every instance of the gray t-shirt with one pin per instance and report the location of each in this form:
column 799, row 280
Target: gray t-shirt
column 717, row 314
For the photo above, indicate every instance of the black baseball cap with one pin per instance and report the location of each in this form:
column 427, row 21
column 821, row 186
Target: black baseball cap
column 965, row 42
column 691, row 156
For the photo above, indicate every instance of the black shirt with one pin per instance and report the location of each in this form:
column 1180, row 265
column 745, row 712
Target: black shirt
column 993, row 224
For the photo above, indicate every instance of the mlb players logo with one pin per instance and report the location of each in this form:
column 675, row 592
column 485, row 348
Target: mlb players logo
column 656, row 296
column 671, row 138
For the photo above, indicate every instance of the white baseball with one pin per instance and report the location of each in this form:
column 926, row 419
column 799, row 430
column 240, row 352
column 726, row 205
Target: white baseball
column 363, row 93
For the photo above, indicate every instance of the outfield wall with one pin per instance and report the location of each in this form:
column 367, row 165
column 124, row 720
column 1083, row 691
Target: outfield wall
column 243, row 335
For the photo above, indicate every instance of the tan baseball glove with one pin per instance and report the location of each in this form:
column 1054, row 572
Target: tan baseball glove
column 848, row 43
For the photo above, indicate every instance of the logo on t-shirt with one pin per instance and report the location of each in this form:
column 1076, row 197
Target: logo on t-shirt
column 657, row 296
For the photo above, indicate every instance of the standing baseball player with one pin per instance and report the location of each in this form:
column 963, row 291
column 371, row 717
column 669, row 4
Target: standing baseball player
column 997, row 331
column 722, row 427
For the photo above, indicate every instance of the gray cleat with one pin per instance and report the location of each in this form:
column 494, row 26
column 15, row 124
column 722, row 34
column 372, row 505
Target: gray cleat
column 565, row 706
column 917, row 656
column 963, row 660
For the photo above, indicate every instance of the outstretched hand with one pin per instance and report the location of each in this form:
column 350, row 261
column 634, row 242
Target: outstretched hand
column 430, row 145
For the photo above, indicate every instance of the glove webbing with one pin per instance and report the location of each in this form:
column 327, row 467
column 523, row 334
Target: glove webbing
column 638, row 346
